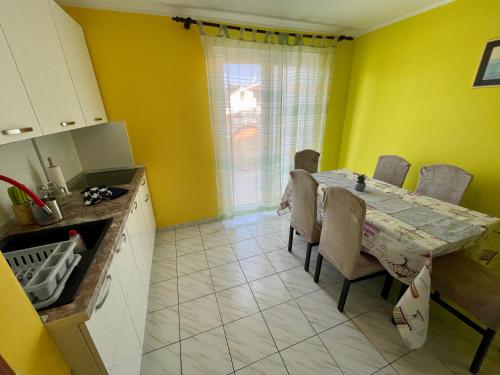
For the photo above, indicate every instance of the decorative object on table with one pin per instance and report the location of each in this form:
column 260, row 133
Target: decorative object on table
column 360, row 182
column 96, row 194
column 54, row 174
column 489, row 68
column 21, row 205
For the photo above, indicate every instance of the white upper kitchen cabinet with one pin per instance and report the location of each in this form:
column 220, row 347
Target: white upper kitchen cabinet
column 33, row 40
column 17, row 119
column 80, row 66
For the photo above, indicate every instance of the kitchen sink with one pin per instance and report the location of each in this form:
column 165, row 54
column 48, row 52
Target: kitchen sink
column 92, row 233
column 107, row 178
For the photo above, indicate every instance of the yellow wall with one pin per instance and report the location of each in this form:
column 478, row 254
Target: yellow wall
column 336, row 109
column 24, row 342
column 151, row 73
column 410, row 94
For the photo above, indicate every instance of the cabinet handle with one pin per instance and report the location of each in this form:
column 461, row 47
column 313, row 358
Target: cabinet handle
column 101, row 303
column 124, row 236
column 67, row 123
column 135, row 205
column 143, row 182
column 147, row 198
column 98, row 119
column 120, row 248
column 17, row 131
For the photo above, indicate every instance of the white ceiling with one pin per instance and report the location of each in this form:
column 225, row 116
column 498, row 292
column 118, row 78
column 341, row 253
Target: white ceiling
column 328, row 16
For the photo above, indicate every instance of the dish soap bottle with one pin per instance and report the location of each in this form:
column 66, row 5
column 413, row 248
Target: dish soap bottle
column 80, row 245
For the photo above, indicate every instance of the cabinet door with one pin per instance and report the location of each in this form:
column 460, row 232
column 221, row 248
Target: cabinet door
column 147, row 209
column 80, row 66
column 33, row 40
column 17, row 119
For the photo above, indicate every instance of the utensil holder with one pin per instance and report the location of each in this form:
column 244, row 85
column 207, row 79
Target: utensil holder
column 43, row 218
column 23, row 214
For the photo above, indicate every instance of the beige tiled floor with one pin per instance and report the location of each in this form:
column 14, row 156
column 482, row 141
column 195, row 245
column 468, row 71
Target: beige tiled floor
column 227, row 298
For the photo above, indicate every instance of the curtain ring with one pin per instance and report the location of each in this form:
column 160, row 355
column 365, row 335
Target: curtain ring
column 266, row 37
column 254, row 35
column 224, row 31
column 242, row 33
column 298, row 40
column 313, row 40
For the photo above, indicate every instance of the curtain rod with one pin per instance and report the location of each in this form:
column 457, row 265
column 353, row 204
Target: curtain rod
column 189, row 21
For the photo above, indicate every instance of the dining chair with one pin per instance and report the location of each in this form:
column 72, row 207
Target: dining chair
column 340, row 242
column 474, row 288
column 443, row 181
column 392, row 169
column 304, row 206
column 307, row 160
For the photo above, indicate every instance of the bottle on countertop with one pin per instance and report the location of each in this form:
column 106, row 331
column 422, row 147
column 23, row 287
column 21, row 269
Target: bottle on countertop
column 80, row 245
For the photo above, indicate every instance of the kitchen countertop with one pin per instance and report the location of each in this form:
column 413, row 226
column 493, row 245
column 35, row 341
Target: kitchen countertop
column 74, row 212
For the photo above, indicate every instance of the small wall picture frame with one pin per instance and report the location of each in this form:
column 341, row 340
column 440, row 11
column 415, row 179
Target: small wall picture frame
column 489, row 68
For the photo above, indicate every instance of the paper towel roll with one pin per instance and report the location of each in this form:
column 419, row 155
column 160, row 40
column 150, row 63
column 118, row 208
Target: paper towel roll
column 55, row 174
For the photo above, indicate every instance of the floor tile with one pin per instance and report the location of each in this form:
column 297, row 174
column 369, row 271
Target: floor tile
column 130, row 367
column 270, row 242
column 211, row 227
column 256, row 267
column 162, row 328
column 236, row 303
column 270, row 291
column 206, row 353
column 166, row 236
column 261, row 228
column 298, row 281
column 165, row 251
column 352, row 351
column 238, row 234
column 163, row 270
column 187, row 232
column 297, row 240
column 309, row 357
column 164, row 361
column 195, row 285
column 329, row 275
column 227, row 276
column 282, row 260
column 249, row 340
column 420, row 362
column 220, row 255
column 321, row 310
column 199, row 315
column 387, row 370
column 189, row 245
column 214, row 239
column 272, row 365
column 377, row 327
column 287, row 324
column 163, row 294
column 246, row 249
column 191, row 263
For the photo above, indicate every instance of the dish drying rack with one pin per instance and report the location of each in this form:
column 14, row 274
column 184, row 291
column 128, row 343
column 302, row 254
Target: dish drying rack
column 43, row 271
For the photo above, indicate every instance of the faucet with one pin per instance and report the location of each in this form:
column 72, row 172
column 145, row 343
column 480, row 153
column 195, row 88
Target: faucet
column 32, row 195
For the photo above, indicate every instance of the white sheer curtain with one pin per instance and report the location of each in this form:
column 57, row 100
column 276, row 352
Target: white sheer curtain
column 267, row 102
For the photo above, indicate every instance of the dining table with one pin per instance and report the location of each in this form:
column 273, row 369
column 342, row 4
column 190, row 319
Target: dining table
column 405, row 231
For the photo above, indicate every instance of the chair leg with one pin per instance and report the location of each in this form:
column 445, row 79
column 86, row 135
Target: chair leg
column 319, row 262
column 387, row 286
column 343, row 294
column 308, row 256
column 290, row 240
column 482, row 350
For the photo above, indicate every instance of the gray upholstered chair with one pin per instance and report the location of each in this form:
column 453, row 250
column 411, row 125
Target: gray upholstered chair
column 475, row 289
column 307, row 160
column 443, row 181
column 340, row 243
column 392, row 169
column 304, row 206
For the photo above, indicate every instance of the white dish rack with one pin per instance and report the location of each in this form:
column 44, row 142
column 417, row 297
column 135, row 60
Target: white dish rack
column 43, row 271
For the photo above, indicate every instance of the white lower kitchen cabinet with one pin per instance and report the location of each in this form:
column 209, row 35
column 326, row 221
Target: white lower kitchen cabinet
column 111, row 341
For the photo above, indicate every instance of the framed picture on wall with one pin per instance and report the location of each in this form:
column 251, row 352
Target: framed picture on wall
column 489, row 68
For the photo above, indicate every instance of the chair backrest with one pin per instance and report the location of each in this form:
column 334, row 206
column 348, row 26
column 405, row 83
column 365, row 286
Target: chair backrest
column 392, row 169
column 443, row 181
column 307, row 160
column 342, row 229
column 304, row 203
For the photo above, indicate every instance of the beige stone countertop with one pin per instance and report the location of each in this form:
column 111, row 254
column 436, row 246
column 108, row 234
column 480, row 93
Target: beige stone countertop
column 74, row 212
